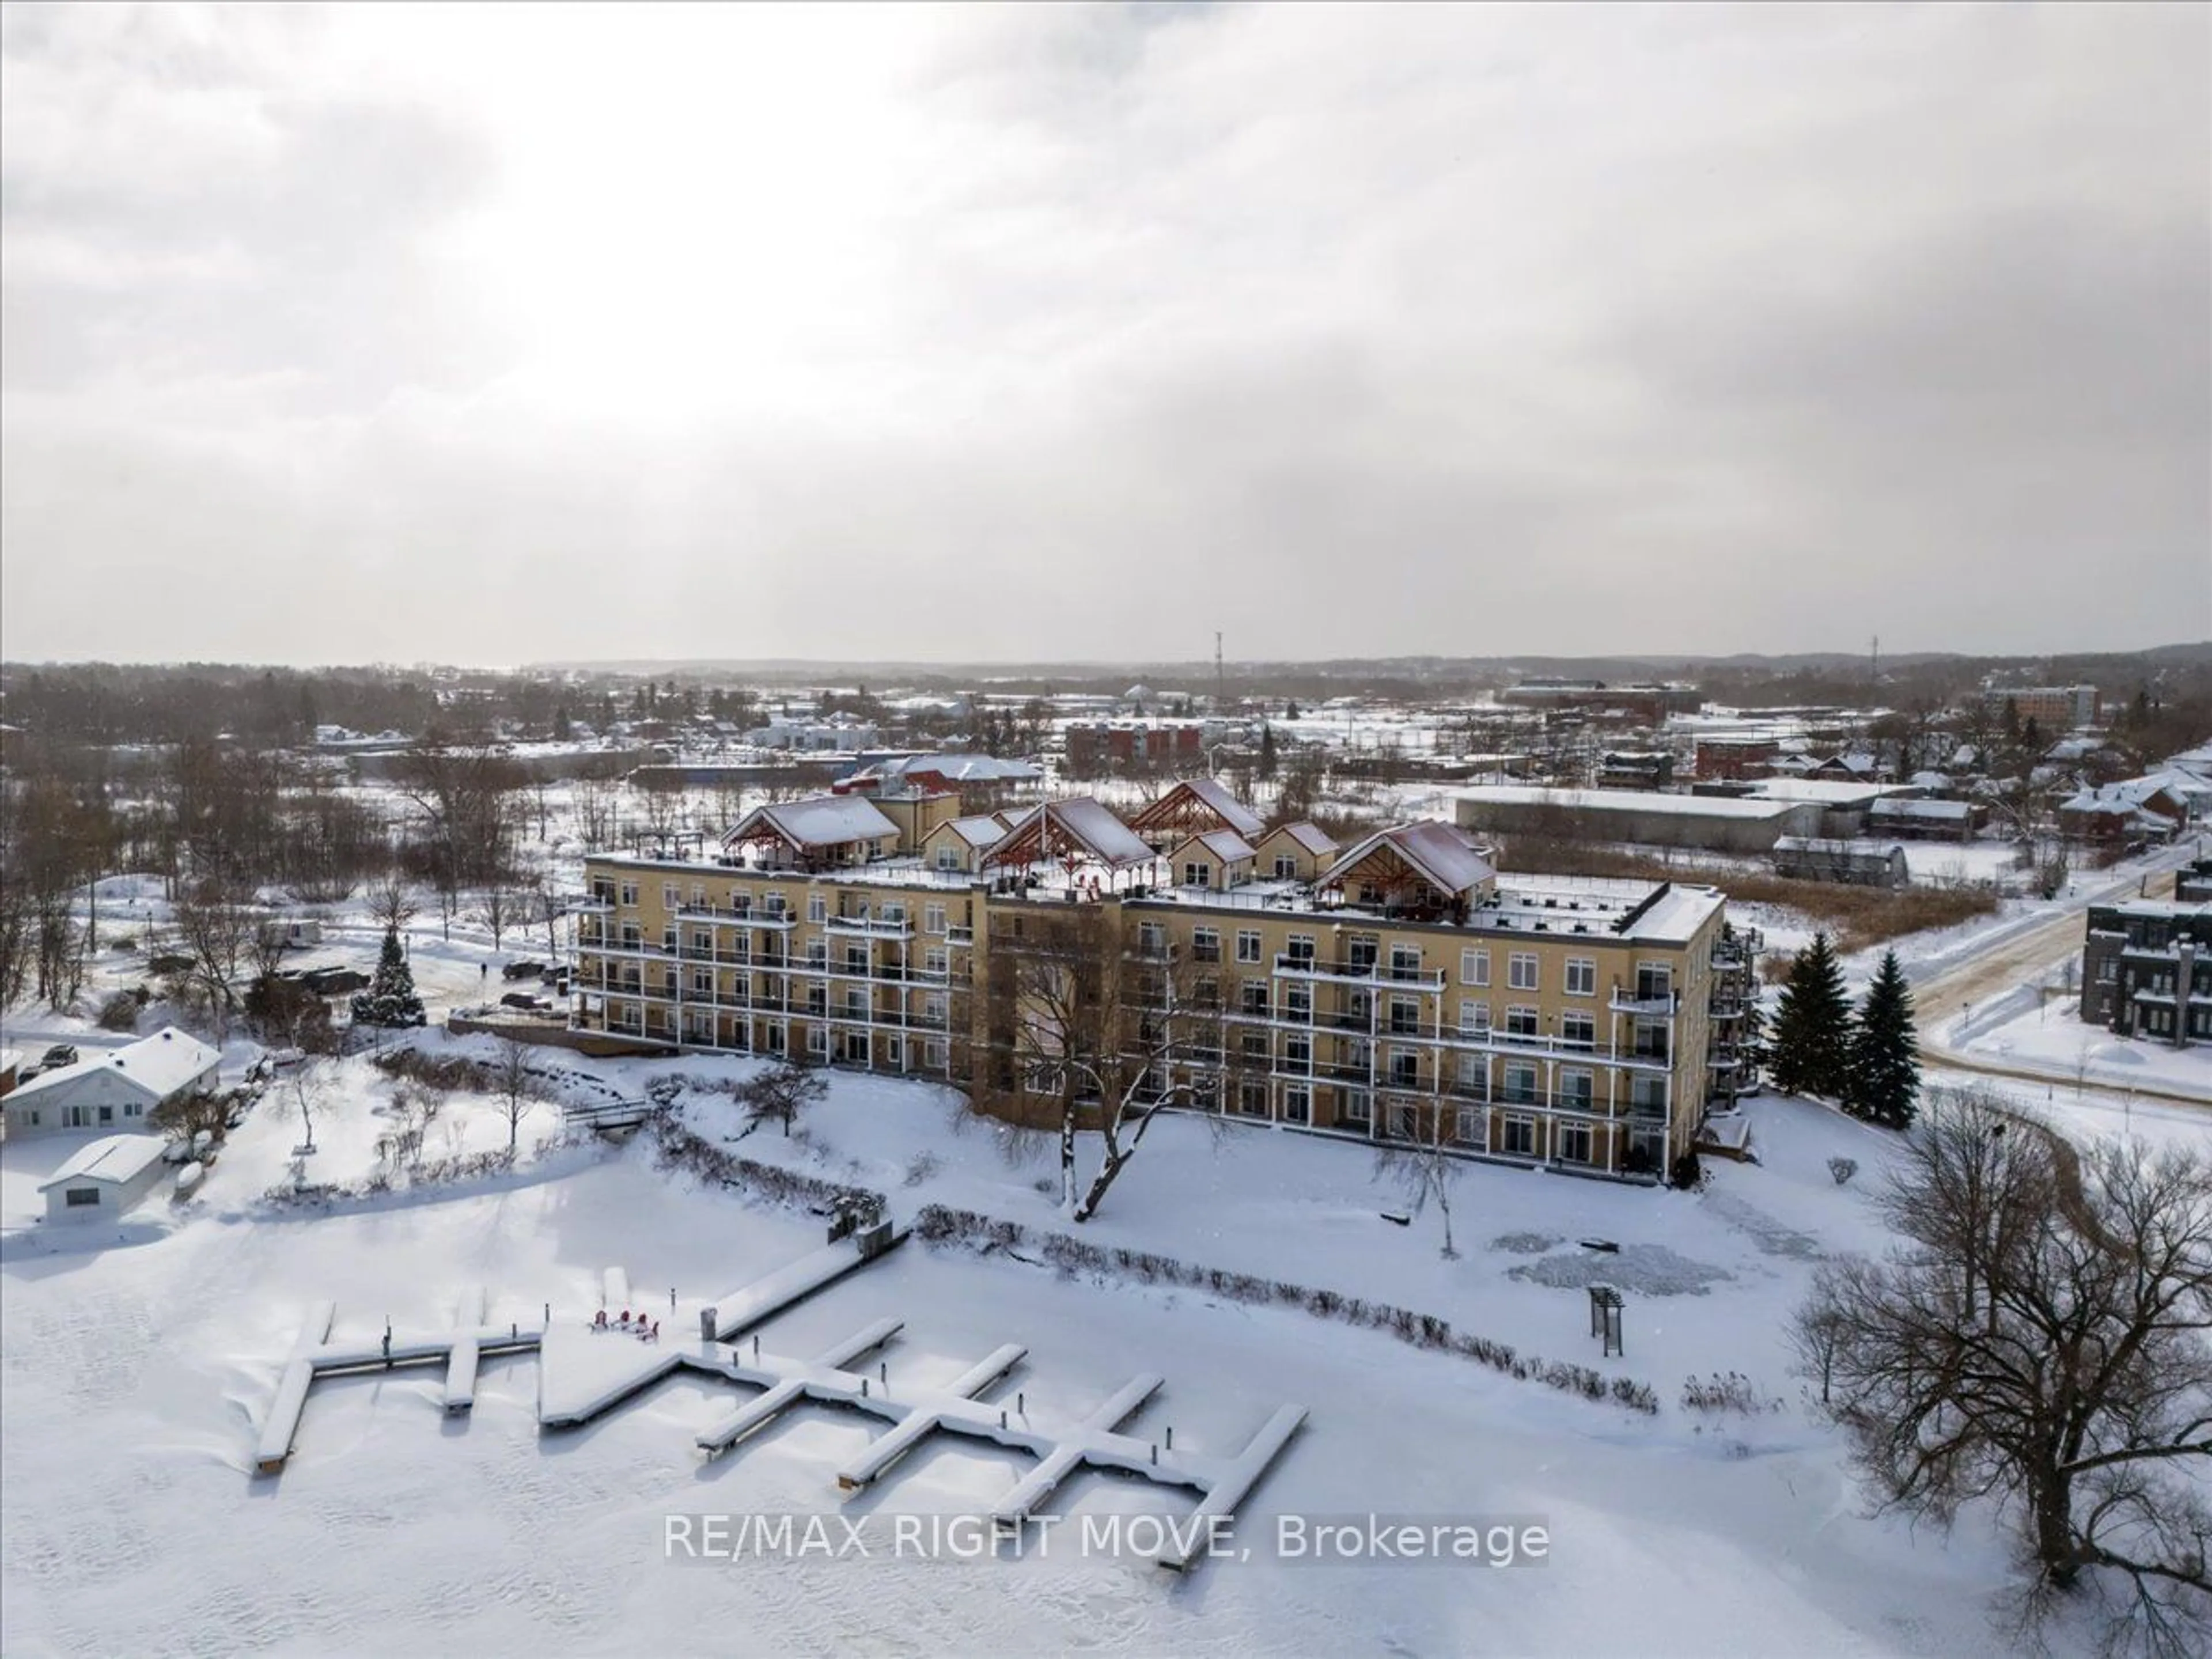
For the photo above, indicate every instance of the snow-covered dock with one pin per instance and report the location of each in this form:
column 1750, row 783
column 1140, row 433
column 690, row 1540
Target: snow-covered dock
column 589, row 1370
column 459, row 1350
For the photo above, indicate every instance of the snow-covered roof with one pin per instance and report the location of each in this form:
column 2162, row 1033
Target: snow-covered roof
column 1091, row 825
column 1829, row 792
column 1313, row 839
column 1206, row 792
column 158, row 1065
column 978, row 831
column 113, row 1157
column 818, row 821
column 1444, row 857
column 959, row 766
column 1224, row 844
column 1626, row 800
column 1898, row 806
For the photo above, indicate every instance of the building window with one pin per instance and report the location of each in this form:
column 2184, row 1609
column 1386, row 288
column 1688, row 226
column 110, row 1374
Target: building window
column 1467, row 1130
column 629, row 895
column 1297, row 1106
column 77, row 1197
column 1152, row 938
column 1519, row 1139
column 1473, row 1076
column 1297, row 1054
column 933, row 918
column 1252, row 996
column 1252, row 1097
column 1405, row 962
column 1521, row 971
column 1198, row 875
column 1474, row 968
column 935, row 1055
column 934, row 961
column 1256, row 1045
column 698, row 896
column 1286, row 867
column 1473, row 1020
column 1248, row 944
column 1581, row 977
column 1206, row 944
column 1574, row 1143
column 1578, row 1030
column 1520, row 1022
column 933, row 1007
column 1521, row 1083
column 1404, row 1016
column 1355, row 1107
column 1300, row 949
column 671, row 897
column 1576, row 1090
column 817, row 907
column 1297, row 1002
column 948, row 857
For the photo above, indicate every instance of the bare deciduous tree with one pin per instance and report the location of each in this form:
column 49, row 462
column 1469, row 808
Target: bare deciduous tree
column 2043, row 1338
column 1424, row 1172
column 216, row 925
column 391, row 904
column 1101, row 1029
column 515, row 1085
column 778, row 1096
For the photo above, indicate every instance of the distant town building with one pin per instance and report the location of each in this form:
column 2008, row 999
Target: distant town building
column 2147, row 970
column 2052, row 707
column 1857, row 863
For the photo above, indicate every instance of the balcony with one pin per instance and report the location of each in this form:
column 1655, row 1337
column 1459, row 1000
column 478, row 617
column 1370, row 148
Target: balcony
column 1369, row 973
column 755, row 917
column 1651, row 1006
column 872, row 926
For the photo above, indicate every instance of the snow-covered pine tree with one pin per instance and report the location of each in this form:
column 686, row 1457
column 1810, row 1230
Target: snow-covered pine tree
column 1809, row 1050
column 1885, row 1072
column 389, row 998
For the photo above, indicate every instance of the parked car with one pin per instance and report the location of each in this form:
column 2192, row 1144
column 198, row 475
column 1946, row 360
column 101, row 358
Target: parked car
column 522, row 970
column 61, row 1053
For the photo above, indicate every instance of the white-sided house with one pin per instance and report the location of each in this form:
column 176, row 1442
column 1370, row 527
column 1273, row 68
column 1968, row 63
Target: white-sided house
column 958, row 844
column 117, row 1089
column 103, row 1179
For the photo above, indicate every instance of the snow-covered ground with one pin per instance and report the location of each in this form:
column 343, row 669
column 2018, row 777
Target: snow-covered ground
column 135, row 1375
column 2054, row 1036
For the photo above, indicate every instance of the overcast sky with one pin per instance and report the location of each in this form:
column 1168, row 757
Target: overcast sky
column 1042, row 332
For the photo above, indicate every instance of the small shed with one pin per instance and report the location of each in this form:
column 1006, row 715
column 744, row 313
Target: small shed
column 103, row 1179
column 958, row 845
column 1857, row 863
column 1218, row 859
column 1295, row 852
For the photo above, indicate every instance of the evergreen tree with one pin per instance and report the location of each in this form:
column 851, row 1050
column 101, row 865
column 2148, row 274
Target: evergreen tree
column 1266, row 752
column 389, row 998
column 1291, row 712
column 1885, row 1066
column 1810, row 1050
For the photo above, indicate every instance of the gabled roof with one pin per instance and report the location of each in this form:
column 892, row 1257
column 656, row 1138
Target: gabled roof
column 113, row 1158
column 156, row 1067
column 1206, row 794
column 979, row 831
column 1224, row 844
column 818, row 821
column 1082, row 825
column 1312, row 838
column 1437, row 852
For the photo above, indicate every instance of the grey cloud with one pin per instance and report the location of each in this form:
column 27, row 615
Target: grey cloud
column 1345, row 330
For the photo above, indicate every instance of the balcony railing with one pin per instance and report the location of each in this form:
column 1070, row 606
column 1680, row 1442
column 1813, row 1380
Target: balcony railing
column 1373, row 973
column 1652, row 1006
column 874, row 927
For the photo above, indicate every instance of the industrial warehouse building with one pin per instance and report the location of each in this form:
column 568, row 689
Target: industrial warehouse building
column 1720, row 823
